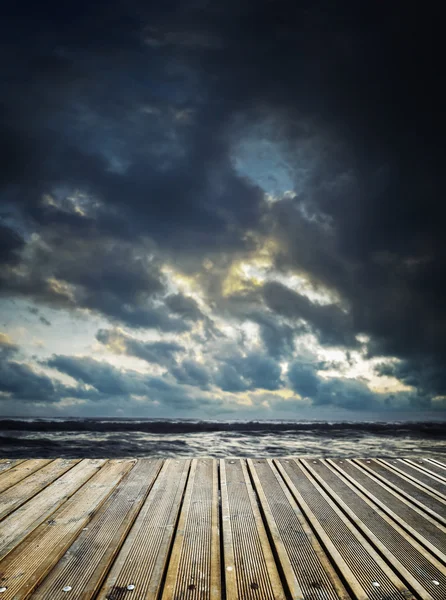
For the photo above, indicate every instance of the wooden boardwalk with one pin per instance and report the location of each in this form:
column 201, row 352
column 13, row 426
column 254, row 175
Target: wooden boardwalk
column 202, row 529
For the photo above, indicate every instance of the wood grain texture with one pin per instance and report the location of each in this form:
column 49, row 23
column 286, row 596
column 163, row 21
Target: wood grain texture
column 21, row 492
column 194, row 566
column 306, row 567
column 426, row 466
column 355, row 557
column 6, row 464
column 404, row 553
column 27, row 565
column 142, row 559
column 249, row 565
column 19, row 471
column 234, row 529
column 427, row 530
column 435, row 461
column 400, row 483
column 85, row 564
column 16, row 526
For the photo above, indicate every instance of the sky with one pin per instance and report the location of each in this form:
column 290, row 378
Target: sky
column 226, row 210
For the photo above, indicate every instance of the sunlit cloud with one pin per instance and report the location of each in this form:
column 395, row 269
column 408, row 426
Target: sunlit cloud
column 196, row 222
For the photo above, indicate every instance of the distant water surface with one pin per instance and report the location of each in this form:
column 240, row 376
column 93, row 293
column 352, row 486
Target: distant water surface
column 47, row 438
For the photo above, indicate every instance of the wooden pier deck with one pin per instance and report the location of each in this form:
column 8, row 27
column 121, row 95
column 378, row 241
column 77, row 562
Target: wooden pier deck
column 235, row 529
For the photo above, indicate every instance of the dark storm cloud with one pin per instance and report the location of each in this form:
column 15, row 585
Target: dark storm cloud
column 10, row 245
column 102, row 122
column 331, row 324
column 303, row 379
column 228, row 371
column 192, row 373
column 101, row 274
column 20, row 382
column 277, row 337
column 185, row 306
column 422, row 374
column 110, row 382
column 102, row 376
column 345, row 393
column 139, row 106
column 94, row 381
column 160, row 352
column 255, row 370
column 164, row 353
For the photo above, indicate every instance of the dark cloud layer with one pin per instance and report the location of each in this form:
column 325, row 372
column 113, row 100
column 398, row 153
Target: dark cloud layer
column 152, row 352
column 330, row 323
column 20, row 382
column 346, row 393
column 120, row 124
column 106, row 381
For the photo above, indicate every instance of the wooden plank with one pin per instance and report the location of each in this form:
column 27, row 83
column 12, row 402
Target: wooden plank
column 20, row 471
column 142, row 559
column 430, row 467
column 437, row 462
column 16, row 526
column 416, row 567
column 6, row 464
column 305, row 566
column 418, row 477
column 194, row 567
column 430, row 503
column 250, row 569
column 360, row 564
column 420, row 525
column 415, row 478
column 86, row 563
column 21, row 492
column 431, row 480
column 27, row 565
column 228, row 547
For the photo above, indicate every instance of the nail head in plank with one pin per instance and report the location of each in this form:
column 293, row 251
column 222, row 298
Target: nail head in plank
column 86, row 563
column 194, row 565
column 355, row 556
column 27, row 565
column 16, row 526
column 401, row 551
column 142, row 558
column 297, row 547
column 250, row 562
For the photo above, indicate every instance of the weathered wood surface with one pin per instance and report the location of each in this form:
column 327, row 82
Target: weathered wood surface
column 85, row 564
column 194, row 566
column 235, row 529
column 18, row 494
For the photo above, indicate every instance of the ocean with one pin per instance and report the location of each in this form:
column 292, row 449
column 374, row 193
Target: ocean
column 95, row 438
